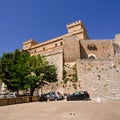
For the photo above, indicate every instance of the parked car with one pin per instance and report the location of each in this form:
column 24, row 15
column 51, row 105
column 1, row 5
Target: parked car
column 1, row 96
column 51, row 96
column 7, row 95
column 78, row 95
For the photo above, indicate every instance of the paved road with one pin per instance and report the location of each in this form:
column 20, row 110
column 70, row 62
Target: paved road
column 62, row 110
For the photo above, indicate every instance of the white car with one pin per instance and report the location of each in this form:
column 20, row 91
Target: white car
column 51, row 96
column 7, row 95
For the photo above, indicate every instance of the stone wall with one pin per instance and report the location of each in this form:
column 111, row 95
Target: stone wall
column 100, row 77
column 117, row 39
column 70, row 78
column 55, row 57
column 46, row 46
column 71, row 49
column 98, row 64
column 100, row 49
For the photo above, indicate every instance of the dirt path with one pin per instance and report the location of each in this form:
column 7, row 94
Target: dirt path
column 61, row 110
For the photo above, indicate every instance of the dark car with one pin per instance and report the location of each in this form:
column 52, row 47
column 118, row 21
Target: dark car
column 51, row 96
column 78, row 95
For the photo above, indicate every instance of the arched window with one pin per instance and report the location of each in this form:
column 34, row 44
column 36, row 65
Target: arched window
column 92, row 47
column 92, row 56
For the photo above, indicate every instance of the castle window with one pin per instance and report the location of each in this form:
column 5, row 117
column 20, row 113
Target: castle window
column 92, row 47
column 43, row 48
column 56, row 45
column 61, row 43
column 91, row 57
column 34, row 51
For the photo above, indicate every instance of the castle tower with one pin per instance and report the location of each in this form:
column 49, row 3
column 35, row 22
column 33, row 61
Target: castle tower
column 77, row 28
column 28, row 44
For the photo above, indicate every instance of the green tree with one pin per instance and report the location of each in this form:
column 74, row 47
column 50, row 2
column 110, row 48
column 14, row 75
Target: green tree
column 13, row 69
column 41, row 73
column 20, row 71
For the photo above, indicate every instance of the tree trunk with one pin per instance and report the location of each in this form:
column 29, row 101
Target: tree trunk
column 17, row 93
column 32, row 91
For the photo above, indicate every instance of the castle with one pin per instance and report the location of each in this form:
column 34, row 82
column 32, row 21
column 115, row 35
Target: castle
column 82, row 63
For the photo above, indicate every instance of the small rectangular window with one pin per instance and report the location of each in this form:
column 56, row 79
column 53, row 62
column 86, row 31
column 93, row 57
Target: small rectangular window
column 61, row 43
column 56, row 45
column 43, row 48
column 34, row 51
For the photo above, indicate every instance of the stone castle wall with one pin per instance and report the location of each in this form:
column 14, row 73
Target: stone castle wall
column 56, row 58
column 71, row 49
column 100, row 77
column 98, row 61
column 117, row 39
column 71, row 83
column 100, row 49
column 45, row 47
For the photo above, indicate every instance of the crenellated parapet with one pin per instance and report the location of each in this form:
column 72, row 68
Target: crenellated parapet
column 74, row 29
column 28, row 44
column 76, row 26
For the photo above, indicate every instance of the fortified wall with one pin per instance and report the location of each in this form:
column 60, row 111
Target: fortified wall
column 101, row 77
column 96, row 49
column 82, row 63
column 58, row 50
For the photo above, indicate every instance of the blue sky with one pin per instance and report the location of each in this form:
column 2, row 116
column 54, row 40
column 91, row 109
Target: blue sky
column 42, row 20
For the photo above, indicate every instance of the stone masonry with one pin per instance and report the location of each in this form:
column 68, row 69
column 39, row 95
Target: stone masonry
column 101, row 77
column 82, row 63
column 97, row 61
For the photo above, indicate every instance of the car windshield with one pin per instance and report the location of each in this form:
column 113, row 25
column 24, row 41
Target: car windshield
column 82, row 92
column 50, row 93
column 78, row 92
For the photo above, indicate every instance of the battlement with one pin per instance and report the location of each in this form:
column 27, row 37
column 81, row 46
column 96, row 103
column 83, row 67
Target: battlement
column 28, row 44
column 29, row 41
column 76, row 26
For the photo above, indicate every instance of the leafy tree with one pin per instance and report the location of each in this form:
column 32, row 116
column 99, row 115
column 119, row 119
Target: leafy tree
column 40, row 73
column 20, row 71
column 13, row 69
